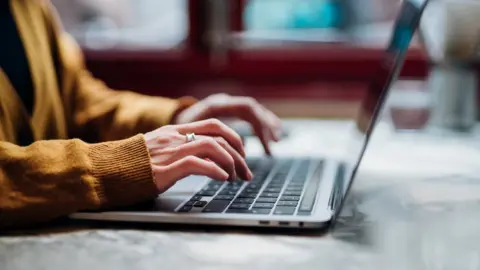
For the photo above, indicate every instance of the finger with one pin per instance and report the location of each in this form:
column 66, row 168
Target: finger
column 241, row 166
column 206, row 148
column 275, row 123
column 192, row 165
column 250, row 111
column 214, row 128
column 247, row 109
column 264, row 139
column 268, row 122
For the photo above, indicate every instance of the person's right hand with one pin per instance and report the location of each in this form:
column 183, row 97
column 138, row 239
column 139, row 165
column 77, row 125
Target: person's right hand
column 217, row 153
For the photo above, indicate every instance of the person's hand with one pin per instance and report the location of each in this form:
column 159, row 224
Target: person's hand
column 217, row 152
column 265, row 124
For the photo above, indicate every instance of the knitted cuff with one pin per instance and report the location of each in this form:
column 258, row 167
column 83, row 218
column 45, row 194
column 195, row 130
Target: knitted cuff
column 123, row 171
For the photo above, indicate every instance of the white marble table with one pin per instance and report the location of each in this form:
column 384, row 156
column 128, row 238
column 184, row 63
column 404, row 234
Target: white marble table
column 414, row 205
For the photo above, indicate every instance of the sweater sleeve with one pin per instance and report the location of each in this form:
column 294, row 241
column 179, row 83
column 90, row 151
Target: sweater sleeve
column 50, row 179
column 53, row 178
column 92, row 108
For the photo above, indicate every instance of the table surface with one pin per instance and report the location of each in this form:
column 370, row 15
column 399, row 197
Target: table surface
column 414, row 205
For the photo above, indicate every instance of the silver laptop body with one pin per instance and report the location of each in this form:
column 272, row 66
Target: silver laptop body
column 285, row 192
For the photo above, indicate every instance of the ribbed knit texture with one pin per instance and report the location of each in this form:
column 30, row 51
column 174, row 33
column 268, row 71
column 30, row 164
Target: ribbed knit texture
column 125, row 175
column 88, row 153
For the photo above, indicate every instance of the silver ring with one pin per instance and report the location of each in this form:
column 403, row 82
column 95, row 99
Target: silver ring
column 190, row 137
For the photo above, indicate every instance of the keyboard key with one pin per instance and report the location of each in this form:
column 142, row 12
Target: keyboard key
column 206, row 193
column 254, row 186
column 284, row 210
column 261, row 211
column 231, row 188
column 260, row 176
column 216, row 206
column 258, row 211
column 295, row 185
column 287, row 203
column 266, row 200
column 292, row 193
column 273, row 190
column 279, row 178
column 228, row 192
column 290, row 198
column 236, row 185
column 275, row 185
column 269, row 195
column 253, row 182
column 185, row 209
column 247, row 195
column 224, row 197
column 239, row 206
column 308, row 199
column 244, row 200
column 214, row 186
column 238, row 211
column 264, row 205
column 300, row 175
column 190, row 203
column 299, row 179
column 200, row 204
column 251, row 190
column 196, row 198
column 294, row 188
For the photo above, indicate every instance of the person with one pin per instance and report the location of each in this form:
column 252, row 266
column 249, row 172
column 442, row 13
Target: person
column 69, row 143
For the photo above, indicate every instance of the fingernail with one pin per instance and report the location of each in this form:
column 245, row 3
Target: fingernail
column 250, row 175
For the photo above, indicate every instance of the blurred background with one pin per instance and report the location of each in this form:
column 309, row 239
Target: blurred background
column 302, row 58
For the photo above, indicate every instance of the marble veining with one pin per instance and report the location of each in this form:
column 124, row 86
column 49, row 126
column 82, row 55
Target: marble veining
column 410, row 208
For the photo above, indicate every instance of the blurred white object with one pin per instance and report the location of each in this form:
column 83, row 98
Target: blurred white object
column 455, row 97
column 103, row 24
column 451, row 30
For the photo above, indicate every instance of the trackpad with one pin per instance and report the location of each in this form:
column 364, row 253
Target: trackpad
column 167, row 204
column 182, row 191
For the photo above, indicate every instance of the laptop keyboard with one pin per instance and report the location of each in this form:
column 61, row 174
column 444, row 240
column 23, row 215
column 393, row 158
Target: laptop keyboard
column 279, row 187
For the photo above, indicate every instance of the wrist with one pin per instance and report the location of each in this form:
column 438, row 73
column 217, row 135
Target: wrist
column 150, row 139
column 119, row 166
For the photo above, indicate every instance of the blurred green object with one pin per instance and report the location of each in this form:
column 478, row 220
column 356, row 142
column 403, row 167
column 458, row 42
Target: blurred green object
column 292, row 14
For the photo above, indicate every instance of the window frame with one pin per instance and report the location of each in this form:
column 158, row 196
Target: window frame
column 147, row 70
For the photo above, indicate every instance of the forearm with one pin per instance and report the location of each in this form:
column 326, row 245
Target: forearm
column 114, row 114
column 50, row 179
column 96, row 111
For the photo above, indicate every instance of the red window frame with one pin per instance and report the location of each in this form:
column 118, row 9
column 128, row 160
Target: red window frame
column 175, row 72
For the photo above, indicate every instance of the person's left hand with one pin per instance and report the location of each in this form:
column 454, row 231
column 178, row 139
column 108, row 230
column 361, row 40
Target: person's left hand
column 265, row 124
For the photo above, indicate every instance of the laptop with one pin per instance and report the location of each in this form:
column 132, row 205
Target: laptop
column 297, row 192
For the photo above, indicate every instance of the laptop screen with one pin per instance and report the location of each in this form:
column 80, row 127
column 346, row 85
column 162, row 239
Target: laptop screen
column 404, row 28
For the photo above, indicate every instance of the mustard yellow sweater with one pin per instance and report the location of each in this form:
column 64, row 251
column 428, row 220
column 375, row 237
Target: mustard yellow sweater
column 60, row 172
